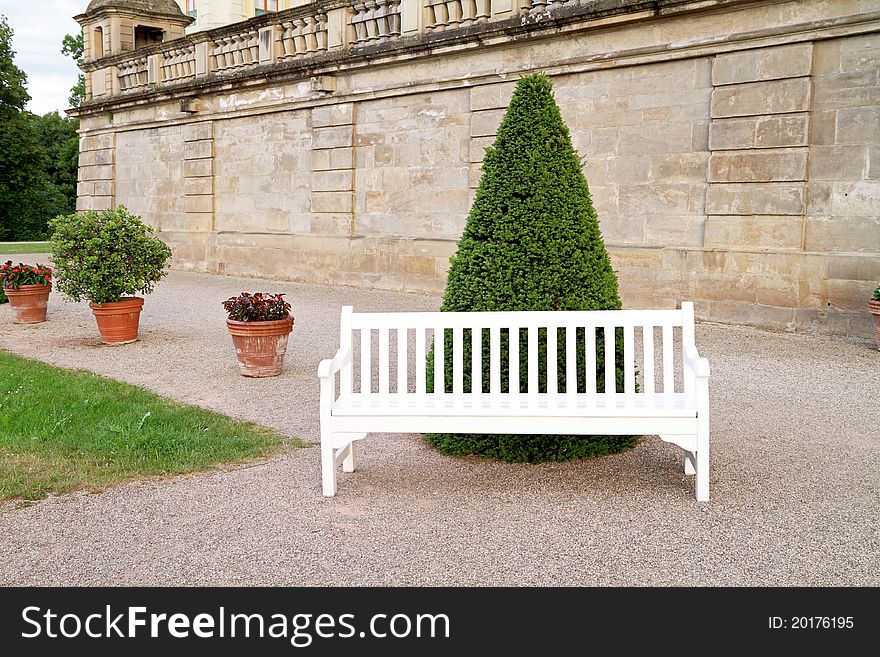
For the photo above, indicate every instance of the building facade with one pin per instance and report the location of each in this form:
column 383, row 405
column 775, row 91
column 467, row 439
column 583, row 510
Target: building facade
column 732, row 147
column 208, row 14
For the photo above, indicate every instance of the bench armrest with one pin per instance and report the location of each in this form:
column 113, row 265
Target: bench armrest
column 330, row 366
column 699, row 366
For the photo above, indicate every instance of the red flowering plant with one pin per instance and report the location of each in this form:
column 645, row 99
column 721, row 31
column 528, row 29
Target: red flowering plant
column 21, row 274
column 257, row 307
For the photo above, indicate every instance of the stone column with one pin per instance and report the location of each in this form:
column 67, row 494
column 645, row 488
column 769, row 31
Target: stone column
column 95, row 186
column 198, row 176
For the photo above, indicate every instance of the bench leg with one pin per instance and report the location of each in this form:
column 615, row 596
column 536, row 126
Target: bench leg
column 348, row 462
column 689, row 460
column 702, row 481
column 328, row 464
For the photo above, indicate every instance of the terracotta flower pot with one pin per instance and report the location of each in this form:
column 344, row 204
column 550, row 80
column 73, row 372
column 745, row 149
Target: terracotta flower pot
column 29, row 302
column 260, row 346
column 118, row 320
column 874, row 307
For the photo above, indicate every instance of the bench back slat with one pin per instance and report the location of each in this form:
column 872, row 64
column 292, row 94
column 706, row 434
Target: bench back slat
column 648, row 361
column 553, row 344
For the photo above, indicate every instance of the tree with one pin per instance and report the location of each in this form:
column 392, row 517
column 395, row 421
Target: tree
column 59, row 138
column 27, row 197
column 72, row 46
column 13, row 94
column 531, row 242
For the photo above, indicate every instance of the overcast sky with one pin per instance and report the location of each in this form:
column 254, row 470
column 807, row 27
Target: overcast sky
column 39, row 26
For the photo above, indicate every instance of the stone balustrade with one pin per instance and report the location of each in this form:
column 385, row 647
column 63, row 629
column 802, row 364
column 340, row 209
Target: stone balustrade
column 450, row 14
column 298, row 33
column 132, row 74
column 376, row 20
column 235, row 51
column 178, row 64
column 301, row 36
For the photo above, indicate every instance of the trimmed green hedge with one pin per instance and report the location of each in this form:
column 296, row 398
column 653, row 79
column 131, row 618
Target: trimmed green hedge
column 531, row 242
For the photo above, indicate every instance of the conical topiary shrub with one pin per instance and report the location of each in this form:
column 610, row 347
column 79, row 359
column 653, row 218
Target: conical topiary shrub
column 531, row 242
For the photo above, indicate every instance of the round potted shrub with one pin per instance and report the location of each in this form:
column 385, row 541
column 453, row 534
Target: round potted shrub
column 259, row 324
column 27, row 289
column 107, row 257
column 874, row 307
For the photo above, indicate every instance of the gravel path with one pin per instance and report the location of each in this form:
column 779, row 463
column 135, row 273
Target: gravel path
column 795, row 474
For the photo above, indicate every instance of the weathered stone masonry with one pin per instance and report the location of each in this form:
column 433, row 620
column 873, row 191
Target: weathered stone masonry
column 732, row 147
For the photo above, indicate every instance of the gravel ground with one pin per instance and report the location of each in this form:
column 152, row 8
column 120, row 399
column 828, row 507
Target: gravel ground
column 795, row 474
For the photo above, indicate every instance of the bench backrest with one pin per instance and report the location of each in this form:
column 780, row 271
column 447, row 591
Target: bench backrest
column 487, row 352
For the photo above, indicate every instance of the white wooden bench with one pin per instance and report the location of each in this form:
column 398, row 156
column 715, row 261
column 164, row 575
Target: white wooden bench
column 393, row 395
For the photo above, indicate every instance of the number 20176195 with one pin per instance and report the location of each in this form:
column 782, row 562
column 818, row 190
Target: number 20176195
column 810, row 623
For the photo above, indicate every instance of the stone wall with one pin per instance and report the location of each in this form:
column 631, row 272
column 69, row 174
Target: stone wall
column 732, row 152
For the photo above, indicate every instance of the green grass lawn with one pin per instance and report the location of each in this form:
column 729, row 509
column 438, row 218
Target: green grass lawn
column 22, row 248
column 62, row 430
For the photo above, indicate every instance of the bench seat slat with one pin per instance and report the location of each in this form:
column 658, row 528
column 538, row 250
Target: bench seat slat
column 657, row 405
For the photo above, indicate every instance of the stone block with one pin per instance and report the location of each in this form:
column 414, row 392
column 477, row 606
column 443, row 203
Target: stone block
column 722, row 286
column 198, row 131
column 333, row 115
column 620, row 230
column 654, row 199
column 97, row 173
column 778, row 131
column 195, row 150
column 757, row 232
column 103, row 188
column 85, row 188
column 856, row 199
column 673, row 138
column 332, row 181
column 758, row 165
column 727, row 134
column 104, row 156
column 335, row 137
column 678, row 167
column 86, row 158
column 842, row 234
column 854, row 267
column 491, row 96
column 478, row 146
column 334, row 202
column 624, row 169
column 837, row 162
column 872, row 171
column 751, row 314
column 819, row 197
column 858, row 125
column 755, row 198
column 753, row 98
column 341, row 158
column 826, row 58
column 674, row 230
column 198, row 186
column 320, row 160
column 197, row 168
column 848, row 295
column 763, row 64
column 198, row 203
column 485, row 122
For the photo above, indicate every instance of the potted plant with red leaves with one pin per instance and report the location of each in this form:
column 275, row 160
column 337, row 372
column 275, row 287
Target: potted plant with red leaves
column 874, row 308
column 259, row 324
column 27, row 288
column 107, row 258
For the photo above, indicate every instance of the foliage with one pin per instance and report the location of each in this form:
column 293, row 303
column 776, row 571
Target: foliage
column 60, row 141
column 13, row 81
column 63, row 430
column 73, row 46
column 37, row 156
column 22, row 274
column 531, row 242
column 3, row 297
column 257, row 307
column 877, row 293
column 104, row 256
